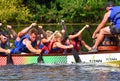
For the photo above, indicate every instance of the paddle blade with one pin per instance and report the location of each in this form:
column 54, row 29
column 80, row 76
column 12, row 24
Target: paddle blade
column 40, row 59
column 9, row 59
column 76, row 56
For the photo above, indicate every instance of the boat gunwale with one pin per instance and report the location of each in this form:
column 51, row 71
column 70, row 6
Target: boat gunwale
column 61, row 54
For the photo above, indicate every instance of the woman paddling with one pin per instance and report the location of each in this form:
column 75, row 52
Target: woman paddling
column 77, row 41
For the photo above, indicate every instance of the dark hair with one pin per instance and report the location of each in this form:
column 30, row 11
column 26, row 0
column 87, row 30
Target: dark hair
column 5, row 33
column 108, row 4
column 33, row 30
column 76, row 31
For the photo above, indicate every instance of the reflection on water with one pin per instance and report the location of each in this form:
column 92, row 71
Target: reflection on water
column 78, row 72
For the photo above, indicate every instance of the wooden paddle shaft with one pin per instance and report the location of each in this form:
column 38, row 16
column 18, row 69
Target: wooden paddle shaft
column 86, row 26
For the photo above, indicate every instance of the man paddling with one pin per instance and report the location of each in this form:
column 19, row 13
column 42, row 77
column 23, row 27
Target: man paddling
column 112, row 14
column 4, row 38
column 27, row 41
column 3, row 43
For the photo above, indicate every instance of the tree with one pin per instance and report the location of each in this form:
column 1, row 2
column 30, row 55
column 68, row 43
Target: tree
column 13, row 11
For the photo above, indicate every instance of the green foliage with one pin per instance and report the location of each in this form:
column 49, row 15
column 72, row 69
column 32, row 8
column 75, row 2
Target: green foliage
column 52, row 11
column 69, row 10
column 13, row 11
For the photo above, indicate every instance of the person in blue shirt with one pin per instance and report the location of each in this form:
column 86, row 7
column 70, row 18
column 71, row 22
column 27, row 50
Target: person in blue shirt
column 26, row 41
column 3, row 43
column 112, row 14
column 5, row 37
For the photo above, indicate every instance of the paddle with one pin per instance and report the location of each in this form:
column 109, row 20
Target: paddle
column 42, row 32
column 74, row 52
column 88, row 29
column 9, row 57
column 39, row 59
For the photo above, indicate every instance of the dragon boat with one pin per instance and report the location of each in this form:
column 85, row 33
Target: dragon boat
column 108, row 53
column 109, row 57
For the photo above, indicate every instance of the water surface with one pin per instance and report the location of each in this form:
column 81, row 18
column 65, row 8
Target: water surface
column 76, row 72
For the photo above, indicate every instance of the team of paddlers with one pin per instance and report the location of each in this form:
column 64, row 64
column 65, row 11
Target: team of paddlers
column 33, row 39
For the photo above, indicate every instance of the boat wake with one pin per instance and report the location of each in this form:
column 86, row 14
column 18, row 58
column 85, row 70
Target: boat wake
column 76, row 64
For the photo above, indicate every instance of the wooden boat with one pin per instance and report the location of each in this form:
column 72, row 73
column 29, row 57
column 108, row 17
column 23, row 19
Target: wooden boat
column 107, row 55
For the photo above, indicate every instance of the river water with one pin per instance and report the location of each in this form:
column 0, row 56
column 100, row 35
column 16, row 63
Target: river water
column 74, row 72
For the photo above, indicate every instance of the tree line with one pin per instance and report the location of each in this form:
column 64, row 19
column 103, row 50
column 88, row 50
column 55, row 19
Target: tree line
column 52, row 11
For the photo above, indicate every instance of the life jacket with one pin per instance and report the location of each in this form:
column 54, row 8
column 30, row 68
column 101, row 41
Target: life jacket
column 44, row 48
column 54, row 50
column 76, row 46
column 3, row 45
column 115, row 16
column 50, row 44
column 22, row 47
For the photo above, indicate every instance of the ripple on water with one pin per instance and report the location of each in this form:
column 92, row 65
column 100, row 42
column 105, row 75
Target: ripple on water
column 74, row 72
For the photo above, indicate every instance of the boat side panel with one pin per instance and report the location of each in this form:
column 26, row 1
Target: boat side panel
column 3, row 60
column 32, row 59
column 55, row 59
column 22, row 60
column 62, row 59
column 100, row 58
column 70, row 59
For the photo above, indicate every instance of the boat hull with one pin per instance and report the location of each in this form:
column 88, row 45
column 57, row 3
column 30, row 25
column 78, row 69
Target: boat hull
column 95, row 58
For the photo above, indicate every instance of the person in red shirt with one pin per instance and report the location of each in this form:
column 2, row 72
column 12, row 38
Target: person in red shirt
column 76, row 41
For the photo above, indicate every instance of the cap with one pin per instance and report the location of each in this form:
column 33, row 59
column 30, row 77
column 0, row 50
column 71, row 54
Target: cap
column 108, row 4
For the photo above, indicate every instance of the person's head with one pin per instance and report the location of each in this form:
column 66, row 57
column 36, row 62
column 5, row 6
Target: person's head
column 33, row 34
column 58, row 36
column 49, row 33
column 108, row 5
column 4, row 37
column 78, row 37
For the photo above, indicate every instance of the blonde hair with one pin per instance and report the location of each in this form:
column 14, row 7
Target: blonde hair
column 49, row 33
column 58, row 34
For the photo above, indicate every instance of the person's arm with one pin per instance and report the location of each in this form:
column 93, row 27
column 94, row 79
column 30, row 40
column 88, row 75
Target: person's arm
column 43, row 32
column 75, row 35
column 25, row 30
column 59, row 45
column 13, row 35
column 85, row 45
column 49, row 38
column 30, row 47
column 79, row 33
column 102, row 24
column 4, row 50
